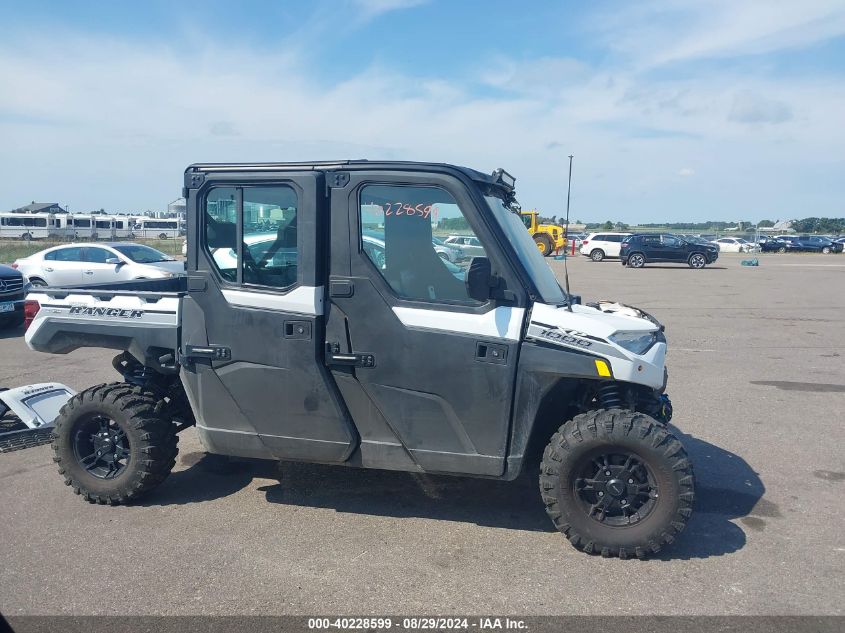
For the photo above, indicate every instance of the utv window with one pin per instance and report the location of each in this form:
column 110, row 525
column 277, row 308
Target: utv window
column 398, row 226
column 269, row 253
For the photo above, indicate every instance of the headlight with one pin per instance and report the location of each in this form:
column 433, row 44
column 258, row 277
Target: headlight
column 636, row 342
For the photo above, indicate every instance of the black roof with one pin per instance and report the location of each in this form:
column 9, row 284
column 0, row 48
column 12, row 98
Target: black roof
column 35, row 207
column 357, row 164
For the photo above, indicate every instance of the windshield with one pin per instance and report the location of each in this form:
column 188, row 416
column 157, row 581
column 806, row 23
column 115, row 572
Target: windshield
column 142, row 254
column 531, row 258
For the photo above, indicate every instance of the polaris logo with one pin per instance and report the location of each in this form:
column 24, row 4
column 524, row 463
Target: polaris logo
column 123, row 313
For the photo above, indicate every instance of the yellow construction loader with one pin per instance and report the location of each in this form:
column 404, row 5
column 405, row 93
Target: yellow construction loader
column 547, row 237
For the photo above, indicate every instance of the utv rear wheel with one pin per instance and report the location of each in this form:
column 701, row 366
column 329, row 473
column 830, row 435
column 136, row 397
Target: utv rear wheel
column 697, row 260
column 636, row 260
column 617, row 483
column 544, row 244
column 112, row 443
column 597, row 255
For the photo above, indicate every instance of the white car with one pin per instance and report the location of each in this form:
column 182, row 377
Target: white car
column 734, row 245
column 599, row 246
column 103, row 262
column 469, row 245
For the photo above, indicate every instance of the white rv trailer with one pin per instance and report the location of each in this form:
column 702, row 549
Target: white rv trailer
column 83, row 227
column 159, row 228
column 63, row 226
column 26, row 226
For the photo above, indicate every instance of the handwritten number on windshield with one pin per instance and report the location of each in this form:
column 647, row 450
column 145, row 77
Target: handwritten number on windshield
column 400, row 208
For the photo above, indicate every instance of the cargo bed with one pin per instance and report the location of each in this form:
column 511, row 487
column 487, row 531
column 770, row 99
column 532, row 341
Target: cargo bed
column 141, row 316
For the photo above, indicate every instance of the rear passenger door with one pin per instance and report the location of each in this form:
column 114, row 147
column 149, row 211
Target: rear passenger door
column 651, row 247
column 63, row 266
column 253, row 319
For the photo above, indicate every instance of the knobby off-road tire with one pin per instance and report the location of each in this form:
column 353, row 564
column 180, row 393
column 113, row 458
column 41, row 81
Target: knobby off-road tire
column 126, row 419
column 657, row 483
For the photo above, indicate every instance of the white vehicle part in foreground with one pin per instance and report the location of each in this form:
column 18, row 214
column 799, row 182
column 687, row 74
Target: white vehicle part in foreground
column 588, row 329
column 37, row 405
column 36, row 408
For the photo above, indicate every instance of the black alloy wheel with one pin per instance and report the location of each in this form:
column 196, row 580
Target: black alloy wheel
column 615, row 487
column 101, row 447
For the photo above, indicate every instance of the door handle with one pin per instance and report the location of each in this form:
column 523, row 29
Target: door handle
column 88, row 272
column 353, row 360
column 47, row 269
column 334, row 357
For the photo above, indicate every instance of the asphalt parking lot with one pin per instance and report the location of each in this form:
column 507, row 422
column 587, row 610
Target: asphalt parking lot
column 757, row 378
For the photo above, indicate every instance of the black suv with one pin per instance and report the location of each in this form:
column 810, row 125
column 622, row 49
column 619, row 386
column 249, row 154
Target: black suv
column 664, row 247
column 11, row 296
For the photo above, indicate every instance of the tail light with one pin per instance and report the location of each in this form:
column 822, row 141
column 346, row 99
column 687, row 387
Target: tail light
column 14, row 265
column 30, row 309
column 585, row 242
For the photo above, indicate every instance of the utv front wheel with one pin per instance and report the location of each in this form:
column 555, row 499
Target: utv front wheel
column 112, row 444
column 617, row 483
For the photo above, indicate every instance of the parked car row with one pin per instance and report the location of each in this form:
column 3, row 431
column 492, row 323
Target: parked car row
column 668, row 247
column 802, row 243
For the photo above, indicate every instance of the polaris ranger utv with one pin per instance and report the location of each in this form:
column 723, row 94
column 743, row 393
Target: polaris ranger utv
column 316, row 322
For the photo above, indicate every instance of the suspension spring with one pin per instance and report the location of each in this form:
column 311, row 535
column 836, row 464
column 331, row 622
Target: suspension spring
column 609, row 396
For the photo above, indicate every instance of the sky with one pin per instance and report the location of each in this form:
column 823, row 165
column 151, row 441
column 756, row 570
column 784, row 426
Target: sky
column 674, row 110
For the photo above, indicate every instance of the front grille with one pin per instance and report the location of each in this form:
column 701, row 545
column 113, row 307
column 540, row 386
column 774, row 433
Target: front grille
column 9, row 286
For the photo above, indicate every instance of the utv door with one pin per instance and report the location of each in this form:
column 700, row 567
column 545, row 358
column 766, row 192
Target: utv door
column 427, row 372
column 252, row 325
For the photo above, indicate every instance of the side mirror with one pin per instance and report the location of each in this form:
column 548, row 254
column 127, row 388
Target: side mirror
column 114, row 261
column 478, row 279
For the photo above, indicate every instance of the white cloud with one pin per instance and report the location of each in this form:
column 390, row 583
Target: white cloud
column 373, row 8
column 686, row 172
column 105, row 123
column 752, row 108
column 663, row 31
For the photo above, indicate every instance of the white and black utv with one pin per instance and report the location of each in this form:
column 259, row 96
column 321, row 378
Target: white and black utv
column 317, row 322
